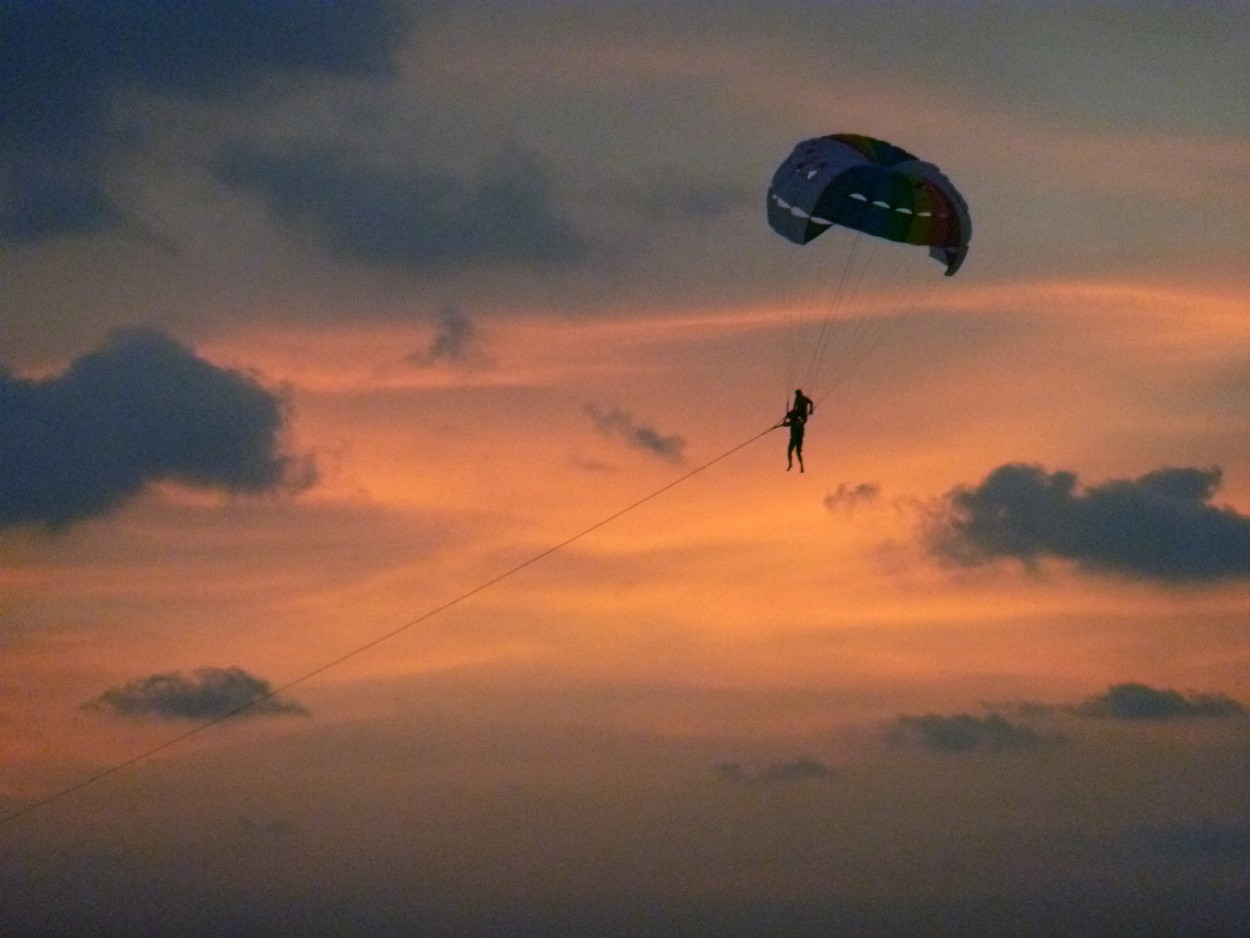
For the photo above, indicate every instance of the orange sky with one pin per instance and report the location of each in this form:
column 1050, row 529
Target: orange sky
column 691, row 706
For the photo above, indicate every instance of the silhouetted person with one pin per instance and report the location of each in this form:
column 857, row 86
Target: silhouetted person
column 797, row 425
column 803, row 405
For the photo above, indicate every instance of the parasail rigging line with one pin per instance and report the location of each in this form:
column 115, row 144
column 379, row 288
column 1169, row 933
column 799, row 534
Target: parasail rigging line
column 858, row 261
column 372, row 643
column 849, row 185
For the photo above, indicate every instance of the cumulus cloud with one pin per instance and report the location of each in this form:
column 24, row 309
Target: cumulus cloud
column 965, row 733
column 66, row 67
column 1132, row 701
column 799, row 769
column 205, row 694
column 1160, row 527
column 409, row 218
column 456, row 341
column 140, row 409
column 613, row 421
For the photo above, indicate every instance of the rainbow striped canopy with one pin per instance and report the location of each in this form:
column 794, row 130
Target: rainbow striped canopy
column 871, row 186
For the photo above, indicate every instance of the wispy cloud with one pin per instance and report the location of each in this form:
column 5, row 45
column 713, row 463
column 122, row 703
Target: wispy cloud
column 205, row 694
column 1128, row 702
column 456, row 341
column 963, row 733
column 613, row 421
column 798, row 769
column 847, row 497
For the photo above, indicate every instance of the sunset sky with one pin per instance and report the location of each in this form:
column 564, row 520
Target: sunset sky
column 316, row 318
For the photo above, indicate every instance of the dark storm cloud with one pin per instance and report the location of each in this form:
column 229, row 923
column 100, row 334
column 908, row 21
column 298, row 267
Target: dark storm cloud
column 410, row 218
column 205, row 694
column 1133, row 701
column 140, row 409
column 964, row 733
column 799, row 769
column 65, row 66
column 1161, row 526
column 457, row 341
column 613, row 421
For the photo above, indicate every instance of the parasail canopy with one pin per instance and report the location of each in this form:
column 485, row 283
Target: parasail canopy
column 871, row 186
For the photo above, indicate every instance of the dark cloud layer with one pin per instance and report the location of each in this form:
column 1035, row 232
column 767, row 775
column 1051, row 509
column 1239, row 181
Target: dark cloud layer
column 65, row 66
column 1161, row 526
column 964, row 733
column 1133, row 701
column 1201, row 840
column 141, row 409
column 613, row 421
column 1073, row 906
column 409, row 218
column 206, row 694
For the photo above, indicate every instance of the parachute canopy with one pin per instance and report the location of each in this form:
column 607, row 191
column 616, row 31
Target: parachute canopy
column 870, row 186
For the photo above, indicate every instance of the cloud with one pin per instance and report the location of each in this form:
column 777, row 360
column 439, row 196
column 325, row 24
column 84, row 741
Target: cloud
column 66, row 67
column 1027, row 709
column 799, row 769
column 1198, row 840
column 1132, row 701
column 457, row 341
column 207, row 694
column 964, row 733
column 1158, row 527
column 409, row 218
column 141, row 409
column 670, row 198
column 846, row 498
column 275, row 827
column 613, row 421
